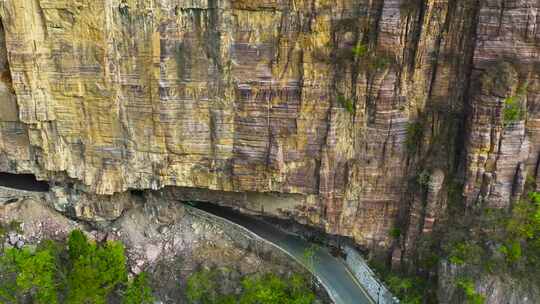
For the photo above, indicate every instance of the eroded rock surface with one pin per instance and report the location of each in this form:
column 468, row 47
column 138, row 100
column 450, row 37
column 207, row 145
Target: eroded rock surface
column 327, row 112
column 161, row 238
column 495, row 288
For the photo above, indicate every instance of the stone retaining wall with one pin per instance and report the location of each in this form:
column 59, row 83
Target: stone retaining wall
column 250, row 241
column 374, row 287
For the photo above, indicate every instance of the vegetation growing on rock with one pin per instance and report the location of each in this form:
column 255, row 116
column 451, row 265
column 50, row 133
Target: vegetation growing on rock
column 346, row 103
column 28, row 273
column 269, row 289
column 494, row 242
column 498, row 243
column 94, row 271
column 473, row 297
column 409, row 288
column 415, row 132
column 203, row 288
column 512, row 110
column 360, row 50
column 138, row 291
column 80, row 271
column 512, row 106
column 171, row 115
column 515, row 235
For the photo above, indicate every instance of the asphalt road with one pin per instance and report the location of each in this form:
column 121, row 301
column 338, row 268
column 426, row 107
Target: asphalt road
column 332, row 271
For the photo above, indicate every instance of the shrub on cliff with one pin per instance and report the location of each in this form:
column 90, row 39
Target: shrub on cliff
column 265, row 289
column 84, row 273
column 415, row 133
column 269, row 289
column 472, row 297
column 360, row 50
column 138, row 291
column 409, row 289
column 346, row 103
column 27, row 273
column 466, row 253
column 203, row 288
column 503, row 243
column 512, row 110
column 78, row 245
column 95, row 271
column 522, row 244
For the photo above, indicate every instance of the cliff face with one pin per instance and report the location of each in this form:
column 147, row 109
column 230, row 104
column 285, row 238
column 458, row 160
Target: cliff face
column 333, row 113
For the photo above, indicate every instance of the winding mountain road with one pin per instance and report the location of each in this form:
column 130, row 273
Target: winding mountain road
column 332, row 272
column 342, row 286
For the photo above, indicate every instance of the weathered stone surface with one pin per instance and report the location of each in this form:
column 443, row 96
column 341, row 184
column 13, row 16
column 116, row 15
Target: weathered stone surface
column 37, row 221
column 193, row 240
column 505, row 64
column 495, row 288
column 90, row 207
column 249, row 99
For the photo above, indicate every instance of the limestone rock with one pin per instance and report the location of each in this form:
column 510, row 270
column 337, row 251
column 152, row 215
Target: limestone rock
column 496, row 289
column 265, row 101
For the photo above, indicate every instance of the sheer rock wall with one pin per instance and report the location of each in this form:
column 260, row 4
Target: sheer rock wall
column 268, row 102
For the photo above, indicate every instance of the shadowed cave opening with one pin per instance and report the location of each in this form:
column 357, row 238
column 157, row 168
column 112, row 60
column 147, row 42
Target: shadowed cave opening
column 27, row 182
column 314, row 235
column 330, row 268
column 329, row 264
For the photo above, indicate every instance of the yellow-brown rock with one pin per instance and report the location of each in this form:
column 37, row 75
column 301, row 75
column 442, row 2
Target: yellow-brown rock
column 245, row 97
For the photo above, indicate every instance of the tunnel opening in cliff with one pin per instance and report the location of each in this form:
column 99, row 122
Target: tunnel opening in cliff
column 27, row 182
column 266, row 222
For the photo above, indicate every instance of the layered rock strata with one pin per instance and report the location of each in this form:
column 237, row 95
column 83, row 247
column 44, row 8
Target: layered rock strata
column 337, row 108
